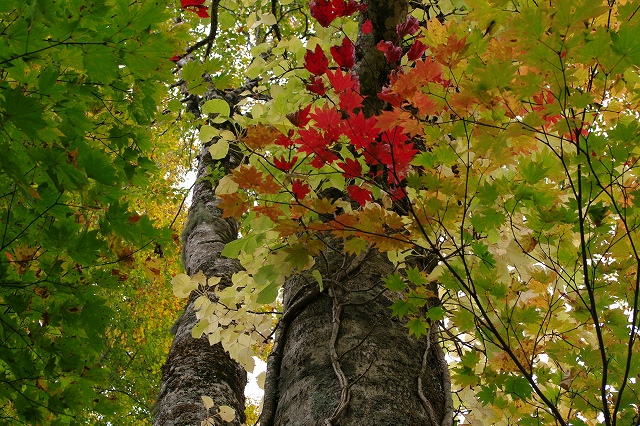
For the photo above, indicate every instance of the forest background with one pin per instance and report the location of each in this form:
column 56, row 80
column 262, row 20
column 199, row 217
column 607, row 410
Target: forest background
column 511, row 142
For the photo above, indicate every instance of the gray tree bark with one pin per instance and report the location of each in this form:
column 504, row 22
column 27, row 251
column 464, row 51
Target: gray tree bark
column 339, row 357
column 194, row 367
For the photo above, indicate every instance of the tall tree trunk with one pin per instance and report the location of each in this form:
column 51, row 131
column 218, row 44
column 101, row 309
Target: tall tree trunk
column 339, row 357
column 195, row 368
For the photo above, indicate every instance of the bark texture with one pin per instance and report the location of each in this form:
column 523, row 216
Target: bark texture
column 345, row 361
column 194, row 367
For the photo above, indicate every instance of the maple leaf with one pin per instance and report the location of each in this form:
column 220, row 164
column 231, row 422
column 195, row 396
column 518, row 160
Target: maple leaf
column 391, row 96
column 341, row 81
column 324, row 206
column 317, row 86
column 392, row 52
column 299, row 189
column 301, row 117
column 359, row 195
column 268, row 186
column 247, row 176
column 390, row 120
column 312, row 140
column 416, row 50
column 367, row 27
column 327, row 119
column 284, row 140
column 273, row 212
column 345, row 54
column 352, row 168
column 425, row 71
column 424, row 103
column 260, row 136
column 283, row 164
column 316, row 61
column 233, row 205
column 323, row 12
column 347, row 8
column 322, row 157
column 360, row 130
column 410, row 26
column 350, row 100
column 450, row 53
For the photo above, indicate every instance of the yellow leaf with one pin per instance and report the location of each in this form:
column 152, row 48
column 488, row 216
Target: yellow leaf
column 219, row 149
column 226, row 185
column 207, row 401
column 226, row 413
column 182, row 286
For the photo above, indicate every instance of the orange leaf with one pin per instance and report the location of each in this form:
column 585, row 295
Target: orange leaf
column 247, row 177
column 234, row 205
column 260, row 136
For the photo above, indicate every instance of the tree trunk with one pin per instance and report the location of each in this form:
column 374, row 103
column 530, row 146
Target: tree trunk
column 345, row 361
column 195, row 368
column 339, row 357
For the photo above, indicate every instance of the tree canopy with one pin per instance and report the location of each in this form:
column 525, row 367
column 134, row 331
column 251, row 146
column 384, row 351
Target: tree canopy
column 503, row 152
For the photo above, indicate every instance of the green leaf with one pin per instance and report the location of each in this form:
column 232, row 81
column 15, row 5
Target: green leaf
column 219, row 149
column 417, row 327
column 394, row 282
column 318, row 276
column 269, row 294
column 216, row 106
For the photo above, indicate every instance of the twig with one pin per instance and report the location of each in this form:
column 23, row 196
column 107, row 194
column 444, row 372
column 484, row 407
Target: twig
column 425, row 402
column 345, row 391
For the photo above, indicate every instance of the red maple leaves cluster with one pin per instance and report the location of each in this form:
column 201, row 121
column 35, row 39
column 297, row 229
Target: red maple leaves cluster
column 385, row 149
column 385, row 152
column 326, row 11
column 196, row 6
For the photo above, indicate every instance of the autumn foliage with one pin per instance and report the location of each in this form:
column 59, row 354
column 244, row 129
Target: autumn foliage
column 507, row 148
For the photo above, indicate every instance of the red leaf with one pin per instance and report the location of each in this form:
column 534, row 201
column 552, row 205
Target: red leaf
column 344, row 55
column 175, row 58
column 327, row 119
column 352, row 168
column 299, row 189
column 322, row 11
column 360, row 130
column 203, row 12
column 285, row 141
column 187, row 3
column 416, row 51
column 316, row 62
column 388, row 95
column 317, row 86
column 350, row 100
column 359, row 195
column 411, row 26
column 312, row 141
column 341, row 82
column 367, row 27
column 283, row 164
column 323, row 157
column 347, row 9
column 301, row 117
column 392, row 52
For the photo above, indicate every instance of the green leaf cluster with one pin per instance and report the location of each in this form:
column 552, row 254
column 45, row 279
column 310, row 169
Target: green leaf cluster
column 80, row 87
